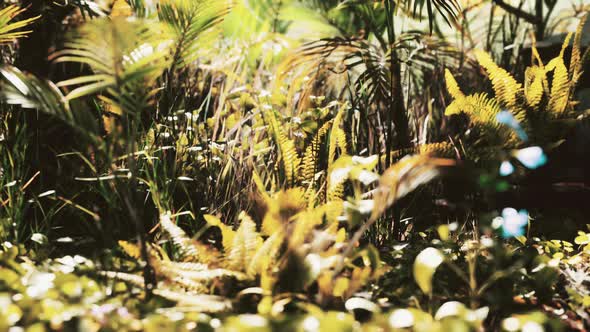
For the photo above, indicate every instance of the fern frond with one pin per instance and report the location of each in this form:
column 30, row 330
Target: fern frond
column 246, row 243
column 9, row 31
column 310, row 157
column 453, row 86
column 179, row 281
column 286, row 146
column 560, row 85
column 335, row 185
column 534, row 87
column 266, row 254
column 482, row 111
column 337, row 141
column 132, row 250
column 506, row 88
column 576, row 64
column 479, row 107
column 189, row 248
column 440, row 149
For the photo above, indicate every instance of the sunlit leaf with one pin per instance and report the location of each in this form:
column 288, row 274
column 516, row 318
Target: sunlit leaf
column 425, row 266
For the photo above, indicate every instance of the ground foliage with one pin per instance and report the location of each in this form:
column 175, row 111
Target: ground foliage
column 299, row 165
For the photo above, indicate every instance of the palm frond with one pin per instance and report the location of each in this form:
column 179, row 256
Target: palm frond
column 191, row 20
column 126, row 57
column 448, row 9
column 30, row 92
column 9, row 32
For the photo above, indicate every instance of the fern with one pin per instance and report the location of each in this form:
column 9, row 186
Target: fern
column 441, row 149
column 560, row 86
column 534, row 106
column 337, row 141
column 506, row 88
column 244, row 246
column 132, row 250
column 266, row 254
column 452, row 85
column 311, row 156
column 534, row 87
column 286, row 146
column 577, row 61
column 190, row 249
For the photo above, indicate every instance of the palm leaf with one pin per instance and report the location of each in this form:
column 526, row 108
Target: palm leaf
column 126, row 56
column 30, row 92
column 191, row 21
column 9, row 31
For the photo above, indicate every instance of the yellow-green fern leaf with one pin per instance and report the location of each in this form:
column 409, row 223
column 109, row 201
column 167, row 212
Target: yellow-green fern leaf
column 337, row 137
column 479, row 107
column 452, row 86
column 482, row 112
column 133, row 279
column 266, row 254
column 190, row 249
column 335, row 190
column 288, row 154
column 533, row 88
column 440, row 149
column 576, row 59
column 560, row 86
column 131, row 249
column 505, row 86
column 245, row 244
column 197, row 272
column 310, row 157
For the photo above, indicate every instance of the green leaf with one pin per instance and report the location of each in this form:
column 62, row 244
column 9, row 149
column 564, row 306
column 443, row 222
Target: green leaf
column 425, row 266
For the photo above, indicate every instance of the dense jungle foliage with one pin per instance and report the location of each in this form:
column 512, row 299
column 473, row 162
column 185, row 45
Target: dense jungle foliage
column 294, row 165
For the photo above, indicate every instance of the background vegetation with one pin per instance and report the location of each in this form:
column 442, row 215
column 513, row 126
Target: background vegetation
column 294, row 165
